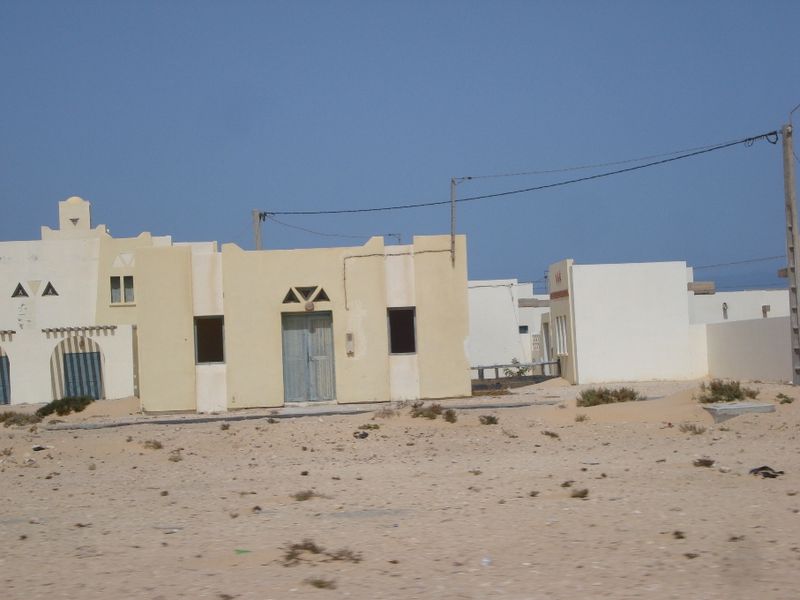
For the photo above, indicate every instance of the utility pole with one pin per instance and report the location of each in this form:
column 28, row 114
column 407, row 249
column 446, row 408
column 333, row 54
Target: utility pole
column 453, row 184
column 257, row 228
column 792, row 247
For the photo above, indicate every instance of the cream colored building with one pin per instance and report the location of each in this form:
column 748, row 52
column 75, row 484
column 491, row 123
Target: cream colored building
column 68, row 311
column 231, row 329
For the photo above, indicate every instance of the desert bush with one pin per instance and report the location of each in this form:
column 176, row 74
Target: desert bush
column 551, row 434
column 488, row 420
column 153, row 445
column 450, row 416
column 579, row 493
column 369, row 426
column 303, row 495
column 603, row 395
column 784, row 399
column 418, row 409
column 691, row 428
column 719, row 390
column 65, row 406
column 581, row 418
column 320, row 583
column 11, row 417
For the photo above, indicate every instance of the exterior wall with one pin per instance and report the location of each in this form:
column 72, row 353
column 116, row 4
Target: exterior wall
column 631, row 322
column 401, row 292
column 561, row 318
column 494, row 320
column 758, row 349
column 166, row 329
column 741, row 306
column 442, row 317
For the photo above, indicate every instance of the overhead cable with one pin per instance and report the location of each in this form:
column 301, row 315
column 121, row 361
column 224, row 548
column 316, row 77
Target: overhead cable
column 771, row 137
column 741, row 262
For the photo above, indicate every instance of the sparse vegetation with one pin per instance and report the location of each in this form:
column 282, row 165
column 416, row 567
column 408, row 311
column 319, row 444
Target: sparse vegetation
column 369, row 426
column 225, row 426
column 294, row 553
column 304, row 495
column 551, row 434
column 418, row 409
column 703, row 462
column 603, row 395
column 175, row 455
column 580, row 418
column 579, row 493
column 719, row 390
column 387, row 412
column 488, row 420
column 153, row 445
column 10, row 417
column 323, row 584
column 678, row 535
column 65, row 406
column 450, row 415
column 516, row 370
column 692, row 428
column 784, row 399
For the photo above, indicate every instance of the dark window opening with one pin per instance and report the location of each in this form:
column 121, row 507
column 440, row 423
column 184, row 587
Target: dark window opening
column 209, row 339
column 402, row 334
column 523, row 329
column 321, row 296
column 19, row 292
column 116, row 297
column 306, row 292
column 290, row 297
column 128, row 288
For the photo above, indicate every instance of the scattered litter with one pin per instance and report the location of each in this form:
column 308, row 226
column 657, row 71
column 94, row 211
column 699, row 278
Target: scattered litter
column 703, row 462
column 765, row 471
column 360, row 435
column 486, row 561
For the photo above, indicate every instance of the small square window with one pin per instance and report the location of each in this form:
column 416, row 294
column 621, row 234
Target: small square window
column 209, row 339
column 402, row 330
column 523, row 329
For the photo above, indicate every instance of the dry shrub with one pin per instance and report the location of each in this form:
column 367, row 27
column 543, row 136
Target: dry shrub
column 691, row 428
column 488, row 420
column 153, row 445
column 11, row 417
column 719, row 390
column 418, row 409
column 450, row 416
column 603, row 395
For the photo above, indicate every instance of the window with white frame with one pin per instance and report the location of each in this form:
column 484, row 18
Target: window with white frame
column 122, row 289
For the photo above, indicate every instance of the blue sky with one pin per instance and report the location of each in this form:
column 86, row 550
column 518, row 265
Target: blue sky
column 182, row 117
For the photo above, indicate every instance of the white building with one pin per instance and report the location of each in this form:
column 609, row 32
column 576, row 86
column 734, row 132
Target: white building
column 643, row 321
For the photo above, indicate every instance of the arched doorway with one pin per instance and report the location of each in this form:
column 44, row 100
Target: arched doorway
column 5, row 378
column 76, row 368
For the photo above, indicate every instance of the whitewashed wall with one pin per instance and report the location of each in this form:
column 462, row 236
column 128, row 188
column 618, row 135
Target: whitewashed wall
column 742, row 305
column 756, row 349
column 631, row 322
column 494, row 323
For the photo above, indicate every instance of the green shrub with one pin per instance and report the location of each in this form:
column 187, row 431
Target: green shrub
column 10, row 417
column 718, row 390
column 65, row 406
column 450, row 416
column 784, row 399
column 602, row 395
column 488, row 420
column 418, row 409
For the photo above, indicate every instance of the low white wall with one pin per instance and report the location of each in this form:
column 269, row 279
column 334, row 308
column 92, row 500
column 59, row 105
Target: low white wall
column 742, row 306
column 759, row 349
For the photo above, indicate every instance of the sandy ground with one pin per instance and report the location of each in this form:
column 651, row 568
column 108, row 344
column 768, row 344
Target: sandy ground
column 433, row 509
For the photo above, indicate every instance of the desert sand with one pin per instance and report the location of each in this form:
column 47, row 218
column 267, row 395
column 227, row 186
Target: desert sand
column 418, row 509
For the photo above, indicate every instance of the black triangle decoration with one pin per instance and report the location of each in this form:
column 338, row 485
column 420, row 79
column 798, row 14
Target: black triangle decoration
column 19, row 292
column 321, row 296
column 290, row 298
column 49, row 290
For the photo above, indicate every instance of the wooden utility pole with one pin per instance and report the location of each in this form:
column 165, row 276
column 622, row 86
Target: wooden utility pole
column 453, row 184
column 792, row 247
column 257, row 228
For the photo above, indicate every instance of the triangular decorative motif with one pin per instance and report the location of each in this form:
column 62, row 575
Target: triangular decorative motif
column 321, row 296
column 306, row 292
column 19, row 292
column 290, row 298
column 33, row 286
column 124, row 259
column 49, row 290
column 74, row 222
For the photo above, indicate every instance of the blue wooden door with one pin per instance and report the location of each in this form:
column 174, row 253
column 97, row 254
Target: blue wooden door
column 83, row 375
column 5, row 381
column 308, row 374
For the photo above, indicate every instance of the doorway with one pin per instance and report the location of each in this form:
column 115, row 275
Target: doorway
column 308, row 374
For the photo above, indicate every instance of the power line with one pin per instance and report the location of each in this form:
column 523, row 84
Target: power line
column 741, row 262
column 326, row 234
column 771, row 137
column 753, row 286
column 596, row 165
